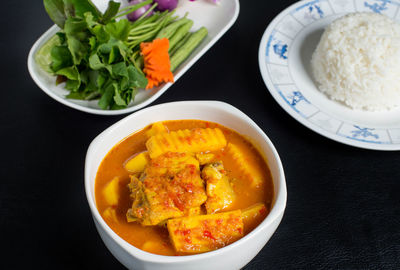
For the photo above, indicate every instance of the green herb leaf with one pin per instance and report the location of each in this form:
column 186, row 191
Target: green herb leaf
column 101, row 34
column 83, row 6
column 93, row 77
column 95, row 63
column 107, row 97
column 128, row 95
column 91, row 22
column 114, row 55
column 111, row 11
column 77, row 49
column 120, row 69
column 82, row 95
column 119, row 30
column 105, row 48
column 69, row 10
column 92, row 95
column 62, row 38
column 117, row 97
column 76, row 95
column 117, row 107
column 55, row 10
column 73, row 85
column 74, row 25
column 136, row 78
column 92, row 43
column 84, row 76
column 101, row 79
column 112, row 51
column 60, row 58
column 123, row 50
column 69, row 72
column 124, row 83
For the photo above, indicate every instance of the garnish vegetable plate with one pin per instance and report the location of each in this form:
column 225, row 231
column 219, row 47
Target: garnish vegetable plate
column 284, row 58
column 218, row 20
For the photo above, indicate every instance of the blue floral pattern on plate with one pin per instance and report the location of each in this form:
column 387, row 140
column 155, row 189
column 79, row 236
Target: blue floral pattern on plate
column 317, row 8
column 280, row 49
column 296, row 98
column 386, row 7
column 364, row 132
column 378, row 6
column 311, row 11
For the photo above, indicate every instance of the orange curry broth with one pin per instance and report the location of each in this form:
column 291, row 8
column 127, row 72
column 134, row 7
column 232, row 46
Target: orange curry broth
column 136, row 234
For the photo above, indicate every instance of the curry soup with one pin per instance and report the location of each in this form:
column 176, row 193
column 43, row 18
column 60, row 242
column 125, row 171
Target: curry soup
column 183, row 187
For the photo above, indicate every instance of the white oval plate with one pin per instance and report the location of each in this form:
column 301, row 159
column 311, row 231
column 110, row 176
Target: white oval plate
column 284, row 58
column 218, row 19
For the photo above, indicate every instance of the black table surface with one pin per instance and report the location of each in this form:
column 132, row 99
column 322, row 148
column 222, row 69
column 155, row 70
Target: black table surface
column 343, row 207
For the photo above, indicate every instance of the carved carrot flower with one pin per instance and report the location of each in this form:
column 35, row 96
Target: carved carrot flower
column 157, row 66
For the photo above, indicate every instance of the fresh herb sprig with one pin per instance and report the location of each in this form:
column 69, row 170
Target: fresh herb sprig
column 93, row 54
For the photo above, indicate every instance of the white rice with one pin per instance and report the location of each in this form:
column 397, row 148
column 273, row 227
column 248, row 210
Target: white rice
column 357, row 61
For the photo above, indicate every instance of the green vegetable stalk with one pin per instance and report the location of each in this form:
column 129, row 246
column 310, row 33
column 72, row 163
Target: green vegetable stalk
column 179, row 34
column 187, row 48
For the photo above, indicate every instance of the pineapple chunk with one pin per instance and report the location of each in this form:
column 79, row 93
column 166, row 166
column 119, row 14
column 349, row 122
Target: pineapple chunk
column 219, row 191
column 156, row 128
column 205, row 158
column 110, row 215
column 194, row 211
column 138, row 163
column 192, row 141
column 206, row 232
column 249, row 171
column 111, row 192
column 253, row 215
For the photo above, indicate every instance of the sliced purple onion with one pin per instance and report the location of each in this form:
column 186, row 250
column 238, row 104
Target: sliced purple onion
column 166, row 4
column 213, row 1
column 139, row 12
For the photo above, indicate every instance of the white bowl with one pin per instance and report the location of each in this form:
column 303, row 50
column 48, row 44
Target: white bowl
column 218, row 19
column 233, row 256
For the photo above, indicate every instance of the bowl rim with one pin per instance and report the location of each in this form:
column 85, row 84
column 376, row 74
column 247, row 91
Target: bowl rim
column 276, row 212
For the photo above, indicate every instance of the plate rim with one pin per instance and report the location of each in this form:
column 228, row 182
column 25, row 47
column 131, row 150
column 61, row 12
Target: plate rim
column 53, row 29
column 274, row 91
